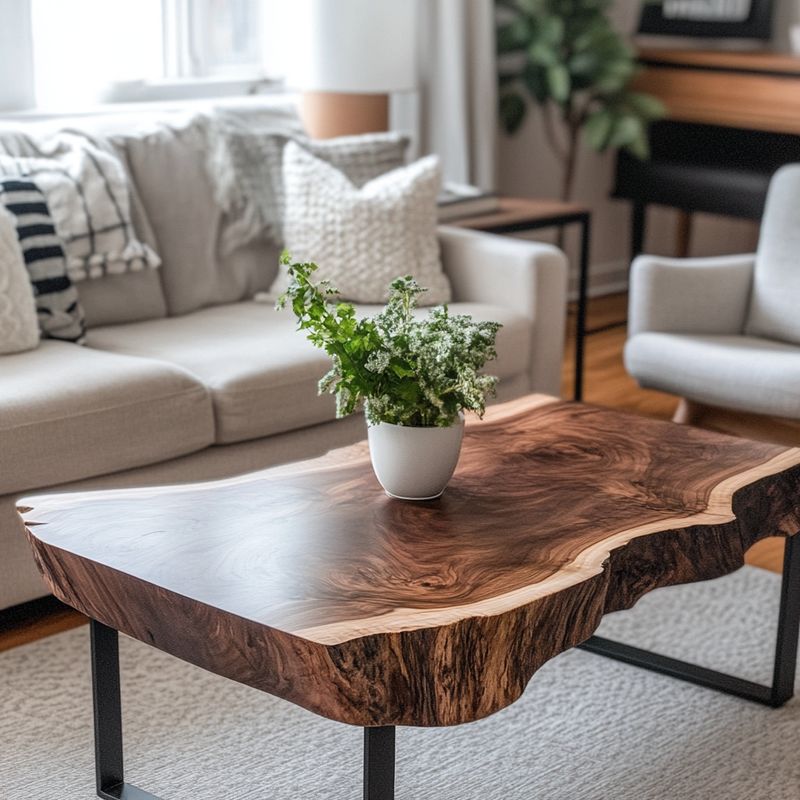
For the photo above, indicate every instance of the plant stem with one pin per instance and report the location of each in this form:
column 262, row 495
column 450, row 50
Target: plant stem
column 571, row 161
column 551, row 133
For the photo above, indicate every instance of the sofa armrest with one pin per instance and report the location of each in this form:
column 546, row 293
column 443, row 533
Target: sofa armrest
column 527, row 277
column 690, row 295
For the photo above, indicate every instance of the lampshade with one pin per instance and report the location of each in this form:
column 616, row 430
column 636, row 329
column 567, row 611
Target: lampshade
column 352, row 46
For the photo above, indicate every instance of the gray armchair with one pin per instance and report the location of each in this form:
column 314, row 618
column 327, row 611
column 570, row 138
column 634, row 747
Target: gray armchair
column 725, row 331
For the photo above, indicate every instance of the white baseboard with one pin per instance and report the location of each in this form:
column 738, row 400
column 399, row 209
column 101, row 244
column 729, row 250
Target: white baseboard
column 610, row 277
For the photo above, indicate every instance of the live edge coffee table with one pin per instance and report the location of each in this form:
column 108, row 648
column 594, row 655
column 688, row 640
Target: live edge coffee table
column 309, row 583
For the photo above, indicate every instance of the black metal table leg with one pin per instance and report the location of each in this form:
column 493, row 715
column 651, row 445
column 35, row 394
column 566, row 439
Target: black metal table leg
column 638, row 220
column 108, row 717
column 580, row 327
column 782, row 688
column 379, row 763
column 379, row 743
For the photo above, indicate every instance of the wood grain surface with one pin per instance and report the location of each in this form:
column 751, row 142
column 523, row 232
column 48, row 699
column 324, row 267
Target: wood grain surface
column 519, row 211
column 757, row 91
column 308, row 582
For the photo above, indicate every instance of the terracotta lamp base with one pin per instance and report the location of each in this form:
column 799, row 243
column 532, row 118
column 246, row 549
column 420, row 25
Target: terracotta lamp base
column 329, row 114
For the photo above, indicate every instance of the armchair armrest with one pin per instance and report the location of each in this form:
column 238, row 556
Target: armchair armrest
column 690, row 295
column 527, row 277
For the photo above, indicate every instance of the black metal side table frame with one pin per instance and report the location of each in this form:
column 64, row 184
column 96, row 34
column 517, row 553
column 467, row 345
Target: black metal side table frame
column 785, row 664
column 559, row 220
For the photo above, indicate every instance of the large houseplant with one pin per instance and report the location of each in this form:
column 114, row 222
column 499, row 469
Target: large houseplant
column 565, row 56
column 413, row 375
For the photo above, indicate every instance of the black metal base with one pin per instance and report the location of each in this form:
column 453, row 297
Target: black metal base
column 109, row 772
column 379, row 743
column 782, row 688
column 379, row 763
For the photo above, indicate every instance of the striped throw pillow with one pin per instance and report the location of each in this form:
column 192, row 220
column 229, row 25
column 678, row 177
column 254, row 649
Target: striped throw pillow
column 57, row 306
column 88, row 195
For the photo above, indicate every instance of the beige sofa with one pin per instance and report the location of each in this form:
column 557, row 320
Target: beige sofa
column 186, row 378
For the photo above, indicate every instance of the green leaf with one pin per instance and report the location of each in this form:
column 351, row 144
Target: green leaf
column 598, row 128
column 614, row 76
column 639, row 147
column 513, row 36
column 543, row 53
column 584, row 63
column 512, row 111
column 551, row 30
column 558, row 81
column 627, row 129
column 645, row 105
column 535, row 79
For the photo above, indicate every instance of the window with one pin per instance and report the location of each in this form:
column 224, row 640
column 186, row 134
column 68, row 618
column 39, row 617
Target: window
column 212, row 38
column 89, row 51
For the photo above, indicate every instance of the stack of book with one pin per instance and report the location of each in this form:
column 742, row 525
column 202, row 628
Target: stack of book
column 459, row 201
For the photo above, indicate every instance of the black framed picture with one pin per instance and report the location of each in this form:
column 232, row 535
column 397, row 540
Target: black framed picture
column 741, row 19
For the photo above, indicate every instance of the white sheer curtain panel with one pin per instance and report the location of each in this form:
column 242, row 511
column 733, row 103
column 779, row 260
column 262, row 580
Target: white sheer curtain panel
column 454, row 113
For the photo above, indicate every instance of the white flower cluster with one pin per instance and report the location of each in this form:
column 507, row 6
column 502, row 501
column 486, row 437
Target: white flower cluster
column 407, row 370
column 436, row 359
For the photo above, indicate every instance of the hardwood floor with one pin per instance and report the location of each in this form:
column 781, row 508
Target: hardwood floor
column 35, row 621
column 606, row 383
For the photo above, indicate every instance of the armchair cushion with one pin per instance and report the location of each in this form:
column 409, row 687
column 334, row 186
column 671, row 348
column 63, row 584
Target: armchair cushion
column 738, row 372
column 690, row 295
column 776, row 287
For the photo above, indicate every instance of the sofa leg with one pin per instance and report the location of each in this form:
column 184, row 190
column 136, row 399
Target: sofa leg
column 687, row 413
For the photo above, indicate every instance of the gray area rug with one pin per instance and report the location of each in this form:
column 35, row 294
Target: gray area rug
column 587, row 728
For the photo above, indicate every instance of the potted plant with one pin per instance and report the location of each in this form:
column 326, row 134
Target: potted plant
column 414, row 376
column 567, row 58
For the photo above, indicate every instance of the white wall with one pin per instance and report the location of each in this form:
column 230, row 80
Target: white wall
column 526, row 167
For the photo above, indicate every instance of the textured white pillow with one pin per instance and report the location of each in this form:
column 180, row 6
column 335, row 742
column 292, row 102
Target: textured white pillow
column 362, row 239
column 19, row 327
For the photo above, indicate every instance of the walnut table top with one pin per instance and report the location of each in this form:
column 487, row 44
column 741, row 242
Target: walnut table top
column 308, row 582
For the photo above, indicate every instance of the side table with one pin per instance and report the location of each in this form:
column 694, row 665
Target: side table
column 519, row 214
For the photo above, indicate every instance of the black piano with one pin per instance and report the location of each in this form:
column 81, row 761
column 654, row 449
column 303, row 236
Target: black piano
column 732, row 120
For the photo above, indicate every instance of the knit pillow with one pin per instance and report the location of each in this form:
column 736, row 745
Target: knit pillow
column 87, row 192
column 57, row 305
column 18, row 327
column 246, row 168
column 364, row 238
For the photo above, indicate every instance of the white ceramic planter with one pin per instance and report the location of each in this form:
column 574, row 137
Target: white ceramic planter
column 414, row 463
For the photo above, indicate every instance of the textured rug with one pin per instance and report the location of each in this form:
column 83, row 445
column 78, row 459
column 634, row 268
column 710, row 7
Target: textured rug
column 587, row 728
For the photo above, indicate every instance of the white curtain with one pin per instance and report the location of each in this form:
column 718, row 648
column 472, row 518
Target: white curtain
column 16, row 55
column 454, row 113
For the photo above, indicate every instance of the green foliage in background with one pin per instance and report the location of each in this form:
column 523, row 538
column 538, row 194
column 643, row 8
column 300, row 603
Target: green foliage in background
column 406, row 370
column 566, row 56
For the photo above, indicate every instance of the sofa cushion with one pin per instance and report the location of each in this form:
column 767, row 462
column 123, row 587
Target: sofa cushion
column 69, row 412
column 737, row 372
column 168, row 164
column 131, row 296
column 60, row 314
column 89, row 198
column 19, row 328
column 246, row 167
column 261, row 372
column 363, row 238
